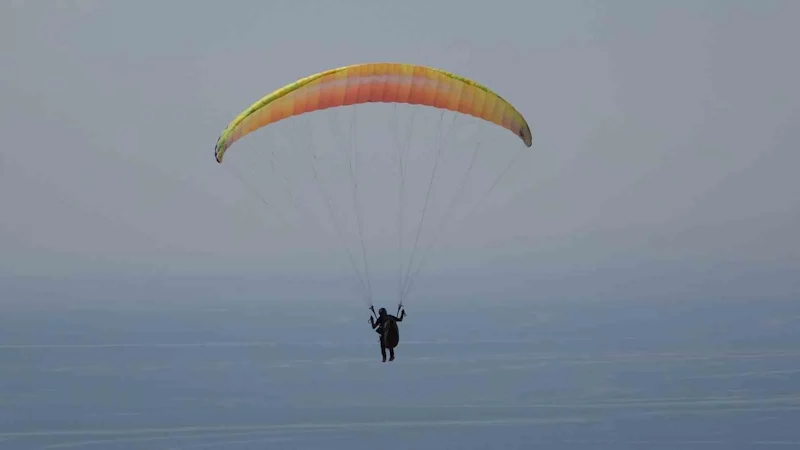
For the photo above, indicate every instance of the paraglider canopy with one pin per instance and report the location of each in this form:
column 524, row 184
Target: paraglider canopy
column 376, row 82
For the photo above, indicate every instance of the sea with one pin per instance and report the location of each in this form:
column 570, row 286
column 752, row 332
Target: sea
column 485, row 374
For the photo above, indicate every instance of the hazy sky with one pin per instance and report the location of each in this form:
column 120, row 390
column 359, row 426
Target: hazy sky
column 664, row 133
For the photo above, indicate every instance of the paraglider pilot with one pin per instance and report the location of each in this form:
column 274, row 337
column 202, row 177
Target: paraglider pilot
column 386, row 327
